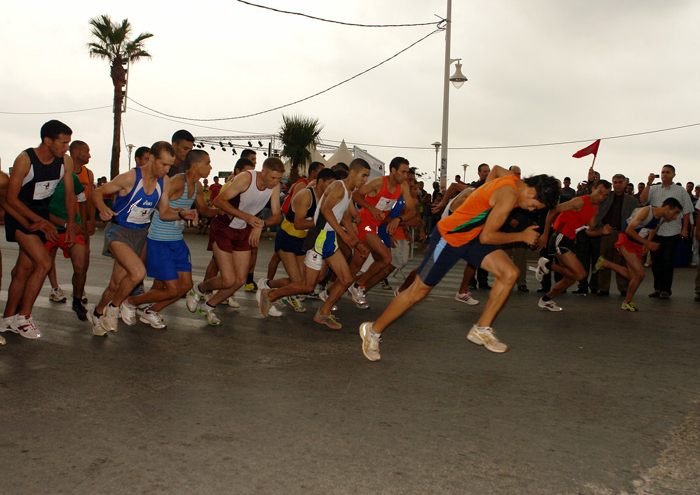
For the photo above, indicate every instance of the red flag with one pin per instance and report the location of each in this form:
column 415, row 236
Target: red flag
column 593, row 148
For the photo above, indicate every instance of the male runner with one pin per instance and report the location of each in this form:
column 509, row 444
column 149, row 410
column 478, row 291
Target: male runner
column 139, row 192
column 377, row 198
column 233, row 234
column 290, row 237
column 35, row 174
column 569, row 218
column 183, row 142
column 471, row 233
column 335, row 207
column 631, row 240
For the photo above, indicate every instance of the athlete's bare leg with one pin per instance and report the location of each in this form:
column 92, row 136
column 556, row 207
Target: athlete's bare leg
column 571, row 269
column 499, row 264
column 634, row 271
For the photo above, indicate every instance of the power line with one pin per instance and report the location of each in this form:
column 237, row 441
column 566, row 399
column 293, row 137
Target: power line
column 52, row 113
column 339, row 22
column 297, row 101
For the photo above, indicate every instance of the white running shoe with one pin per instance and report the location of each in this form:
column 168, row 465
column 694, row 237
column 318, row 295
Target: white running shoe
column 128, row 313
column 232, row 302
column 541, row 270
column 262, row 283
column 57, row 295
column 6, row 324
column 357, row 294
column 466, row 298
column 550, row 305
column 192, row 300
column 97, row 324
column 152, row 318
column 370, row 342
column 110, row 318
column 323, row 296
column 274, row 311
column 208, row 315
column 487, row 338
column 24, row 326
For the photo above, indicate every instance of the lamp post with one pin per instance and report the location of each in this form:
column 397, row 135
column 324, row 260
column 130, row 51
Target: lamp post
column 464, row 176
column 457, row 79
column 130, row 148
column 437, row 145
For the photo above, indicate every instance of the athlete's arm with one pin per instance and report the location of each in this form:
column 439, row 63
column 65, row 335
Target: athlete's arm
column 573, row 204
column 332, row 196
column 276, row 208
column 168, row 214
column 69, row 188
column 202, row 207
column 503, row 201
column 301, row 203
column 371, row 189
column 239, row 184
column 4, row 181
column 636, row 220
column 455, row 188
column 497, row 172
column 408, row 208
column 20, row 169
column 121, row 184
column 89, row 222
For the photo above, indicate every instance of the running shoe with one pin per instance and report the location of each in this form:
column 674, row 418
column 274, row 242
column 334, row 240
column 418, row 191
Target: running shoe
column 110, row 317
column 57, row 295
column 274, row 311
column 598, row 264
column 550, row 305
column 80, row 309
column 208, row 314
column 629, row 307
column 24, row 326
column 541, row 270
column 330, row 321
column 128, row 313
column 487, row 338
column 2, row 340
column 6, row 324
column 264, row 302
column 357, row 294
column 150, row 317
column 263, row 283
column 324, row 295
column 193, row 298
column 370, row 342
column 97, row 324
column 466, row 298
column 232, row 302
column 386, row 285
column 397, row 291
column 251, row 287
column 295, row 303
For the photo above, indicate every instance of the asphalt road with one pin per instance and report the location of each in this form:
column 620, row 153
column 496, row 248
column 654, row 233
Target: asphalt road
column 592, row 400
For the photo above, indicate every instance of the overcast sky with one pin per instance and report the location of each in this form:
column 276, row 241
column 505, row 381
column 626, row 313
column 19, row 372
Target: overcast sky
column 539, row 72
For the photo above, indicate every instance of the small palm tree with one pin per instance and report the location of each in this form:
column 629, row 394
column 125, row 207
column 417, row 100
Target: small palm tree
column 297, row 134
column 112, row 42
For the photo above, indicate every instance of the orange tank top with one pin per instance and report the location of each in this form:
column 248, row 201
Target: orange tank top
column 467, row 221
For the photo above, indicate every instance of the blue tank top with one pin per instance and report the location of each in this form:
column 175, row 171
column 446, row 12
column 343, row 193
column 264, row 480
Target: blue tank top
column 136, row 208
column 649, row 223
column 161, row 230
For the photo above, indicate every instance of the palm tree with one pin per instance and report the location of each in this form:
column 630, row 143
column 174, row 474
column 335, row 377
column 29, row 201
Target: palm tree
column 297, row 134
column 112, row 42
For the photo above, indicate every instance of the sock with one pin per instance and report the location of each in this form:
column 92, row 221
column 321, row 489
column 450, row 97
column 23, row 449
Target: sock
column 196, row 289
column 77, row 300
column 546, row 299
column 483, row 328
column 94, row 312
column 249, row 280
column 208, row 307
column 374, row 334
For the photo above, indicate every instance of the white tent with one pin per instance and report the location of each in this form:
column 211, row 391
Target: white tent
column 342, row 154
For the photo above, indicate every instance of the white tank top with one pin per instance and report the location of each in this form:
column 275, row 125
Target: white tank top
column 338, row 210
column 250, row 201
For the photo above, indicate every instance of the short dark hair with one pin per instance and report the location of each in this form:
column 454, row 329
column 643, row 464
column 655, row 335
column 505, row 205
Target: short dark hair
column 604, row 183
column 547, row 188
column 358, row 164
column 247, row 152
column 340, row 166
column 619, row 176
column 243, row 163
column 341, row 173
column 273, row 163
column 671, row 167
column 162, row 147
column 396, row 162
column 76, row 144
column 326, row 174
column 482, row 165
column 194, row 156
column 142, row 151
column 182, row 135
column 54, row 128
column 314, row 166
column 673, row 203
column 567, row 178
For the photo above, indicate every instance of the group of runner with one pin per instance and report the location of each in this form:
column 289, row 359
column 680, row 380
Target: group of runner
column 323, row 240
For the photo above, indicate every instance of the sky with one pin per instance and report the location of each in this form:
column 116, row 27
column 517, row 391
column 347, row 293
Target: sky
column 540, row 71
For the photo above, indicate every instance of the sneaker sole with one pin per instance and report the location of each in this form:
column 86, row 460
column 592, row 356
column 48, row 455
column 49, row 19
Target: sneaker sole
column 144, row 320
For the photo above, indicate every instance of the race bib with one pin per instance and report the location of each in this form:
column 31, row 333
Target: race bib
column 385, row 204
column 45, row 189
column 139, row 215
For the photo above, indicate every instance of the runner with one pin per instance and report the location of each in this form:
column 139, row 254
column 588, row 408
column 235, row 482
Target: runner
column 139, row 192
column 471, row 233
column 167, row 254
column 335, row 207
column 637, row 232
column 35, row 174
column 233, row 234
column 569, row 218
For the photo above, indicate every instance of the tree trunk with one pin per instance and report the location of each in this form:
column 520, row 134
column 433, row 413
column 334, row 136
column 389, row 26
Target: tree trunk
column 293, row 175
column 118, row 79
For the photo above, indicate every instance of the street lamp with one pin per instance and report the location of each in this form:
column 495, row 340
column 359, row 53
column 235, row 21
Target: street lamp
column 130, row 148
column 464, row 176
column 437, row 145
column 457, row 79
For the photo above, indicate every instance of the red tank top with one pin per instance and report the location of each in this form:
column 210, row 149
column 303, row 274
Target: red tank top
column 383, row 201
column 294, row 189
column 569, row 221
